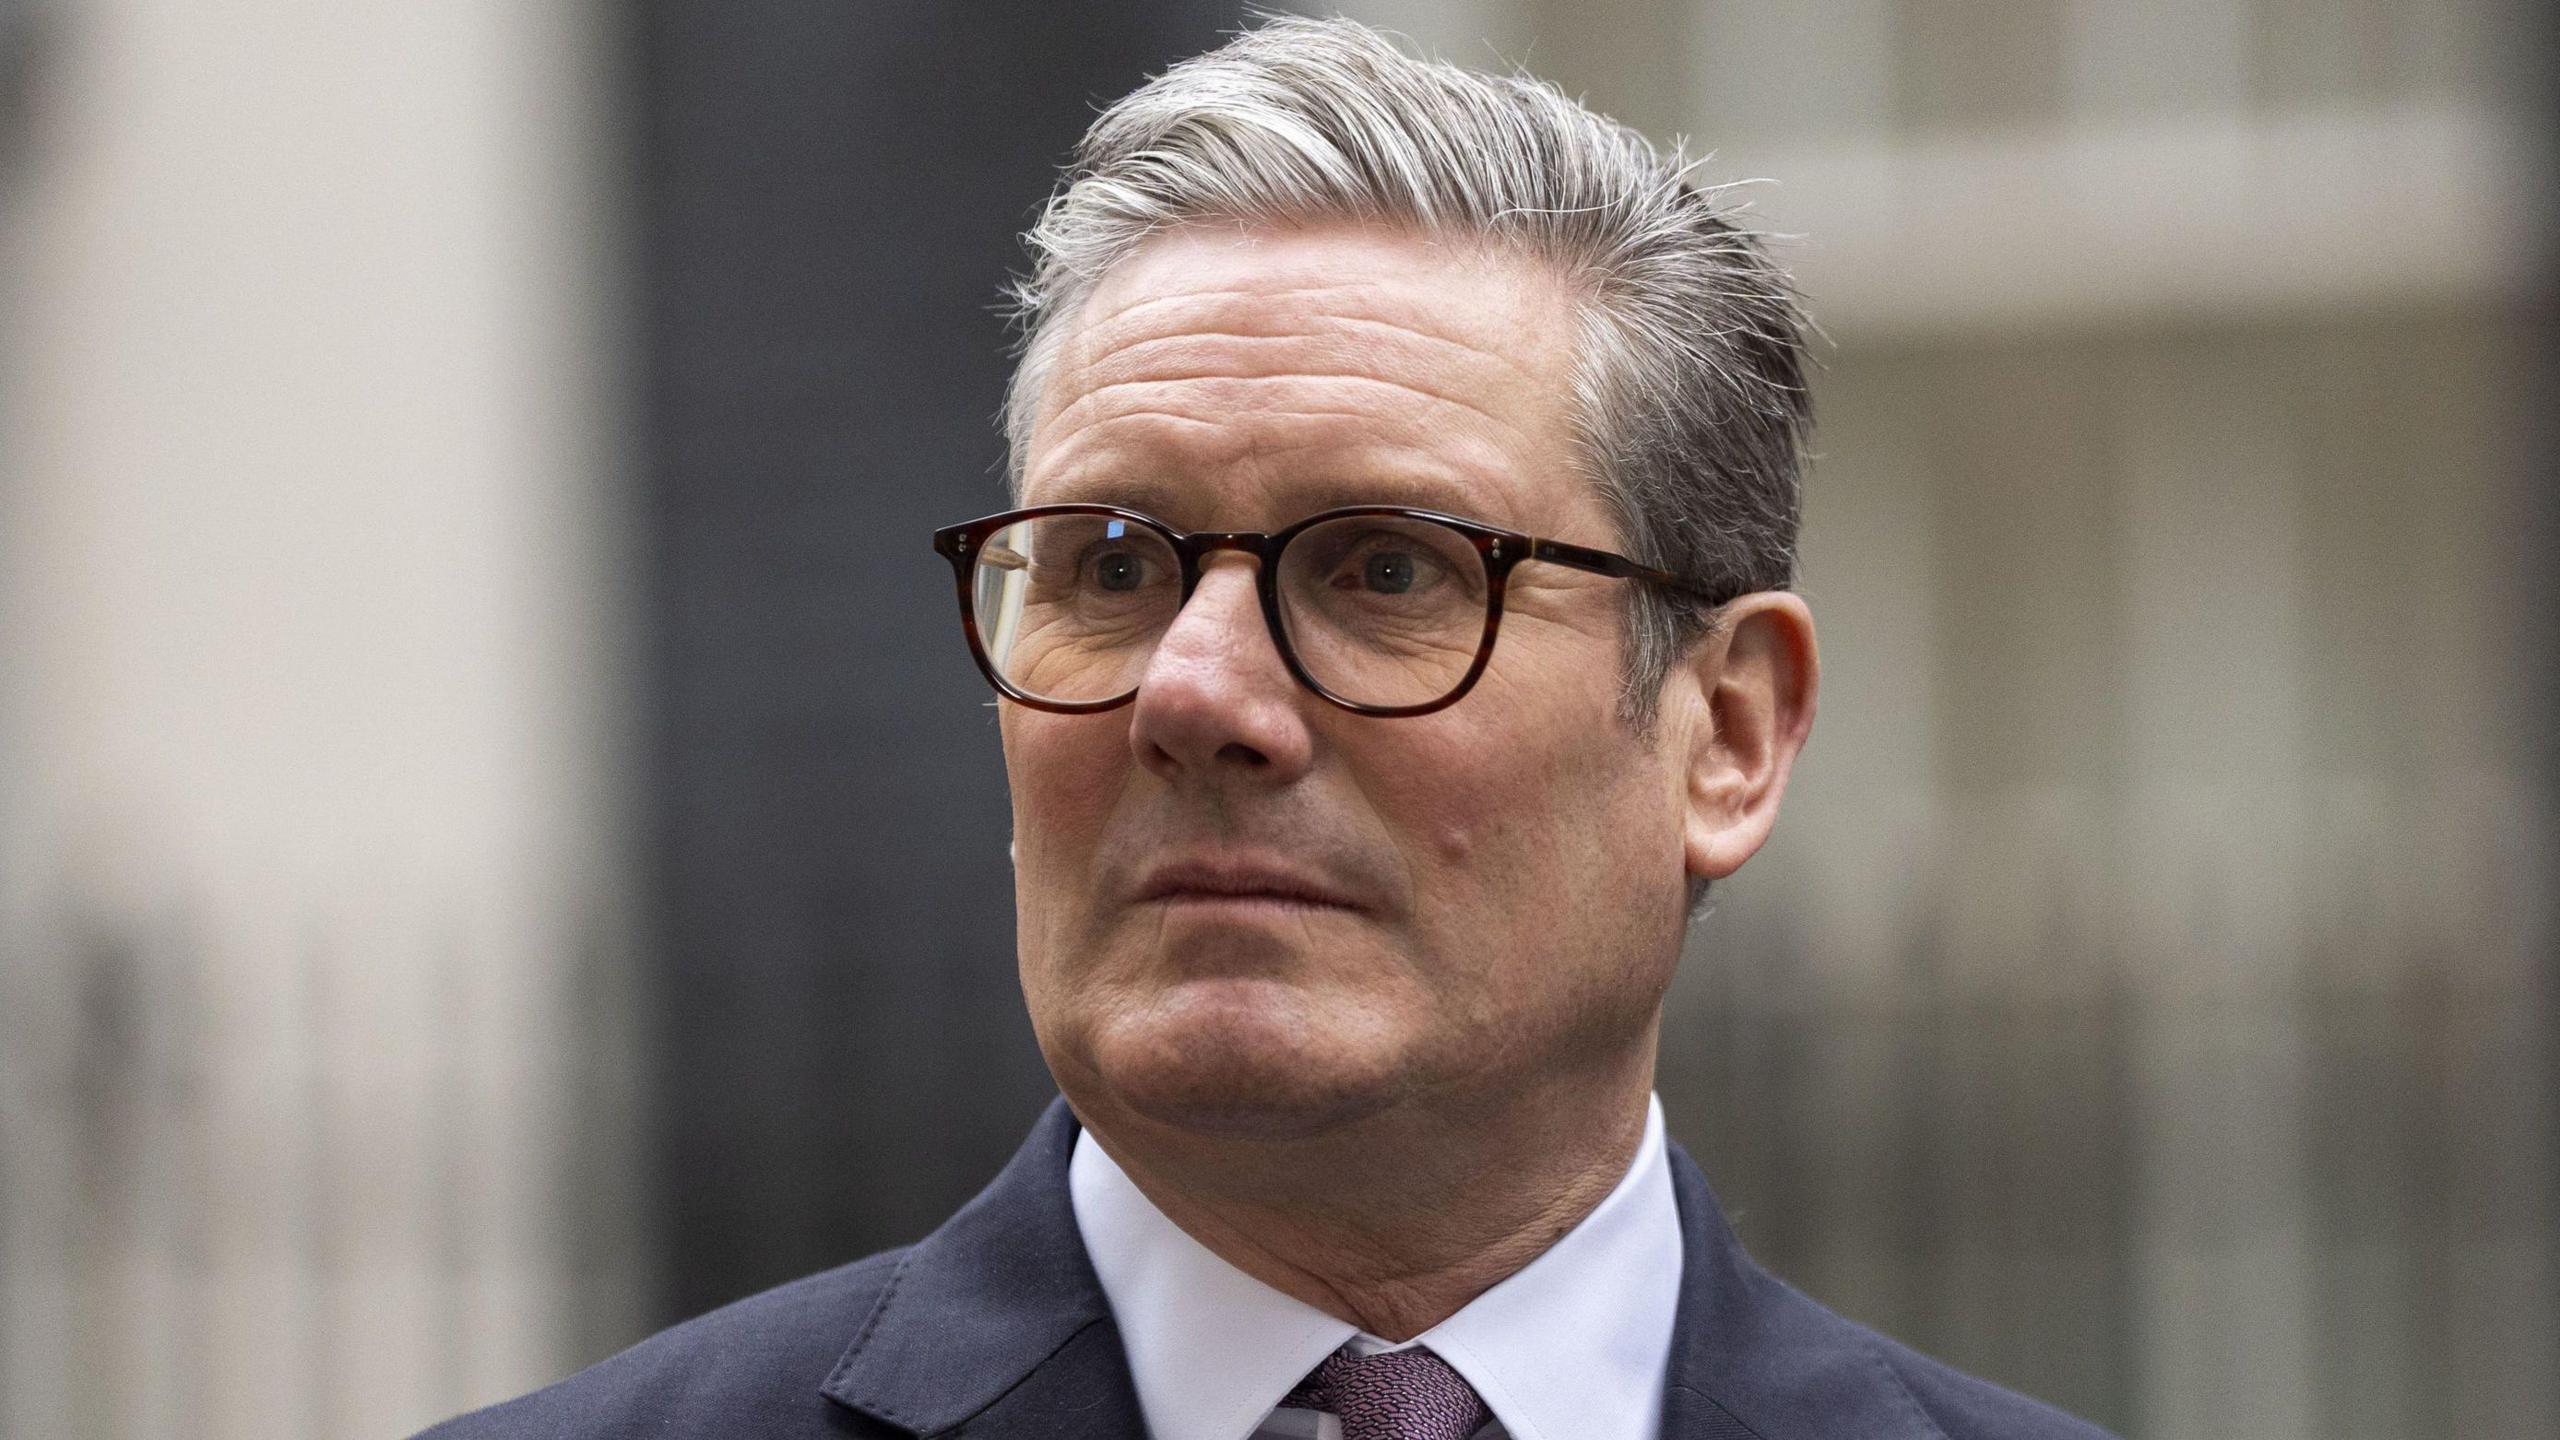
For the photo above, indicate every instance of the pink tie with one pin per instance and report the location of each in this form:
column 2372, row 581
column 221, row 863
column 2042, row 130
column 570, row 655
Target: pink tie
column 1393, row 1395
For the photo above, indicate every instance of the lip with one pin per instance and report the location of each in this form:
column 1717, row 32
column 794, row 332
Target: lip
column 1225, row 880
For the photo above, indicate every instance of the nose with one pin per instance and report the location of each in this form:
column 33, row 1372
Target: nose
column 1215, row 700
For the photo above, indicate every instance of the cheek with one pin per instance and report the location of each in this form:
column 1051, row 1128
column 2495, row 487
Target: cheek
column 1538, row 827
column 1065, row 773
column 1487, row 804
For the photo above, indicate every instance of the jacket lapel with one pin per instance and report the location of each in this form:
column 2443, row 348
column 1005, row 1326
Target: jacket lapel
column 996, row 1321
column 1752, row 1359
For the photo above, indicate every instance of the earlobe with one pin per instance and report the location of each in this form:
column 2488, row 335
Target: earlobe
column 1756, row 680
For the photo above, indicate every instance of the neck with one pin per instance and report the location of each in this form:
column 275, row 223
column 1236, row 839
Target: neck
column 1395, row 1221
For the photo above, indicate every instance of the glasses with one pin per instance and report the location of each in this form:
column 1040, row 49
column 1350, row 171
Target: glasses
column 1381, row 609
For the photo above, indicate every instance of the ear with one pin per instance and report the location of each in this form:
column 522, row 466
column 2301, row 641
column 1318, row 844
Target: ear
column 1755, row 680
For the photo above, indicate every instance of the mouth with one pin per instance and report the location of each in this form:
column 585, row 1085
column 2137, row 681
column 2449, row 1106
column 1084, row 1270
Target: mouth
column 1240, row 884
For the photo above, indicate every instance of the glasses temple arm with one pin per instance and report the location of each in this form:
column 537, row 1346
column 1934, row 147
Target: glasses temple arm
column 1603, row 562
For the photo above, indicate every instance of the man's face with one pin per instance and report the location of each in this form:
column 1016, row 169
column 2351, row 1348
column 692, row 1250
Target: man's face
column 1243, row 909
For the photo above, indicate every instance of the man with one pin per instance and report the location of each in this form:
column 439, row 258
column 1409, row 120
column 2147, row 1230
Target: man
column 1344, row 928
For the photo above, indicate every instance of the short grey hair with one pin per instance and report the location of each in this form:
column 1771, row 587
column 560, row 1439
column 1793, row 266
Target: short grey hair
column 1691, row 411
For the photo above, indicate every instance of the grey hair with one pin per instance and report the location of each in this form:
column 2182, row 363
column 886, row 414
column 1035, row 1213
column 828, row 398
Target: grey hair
column 1691, row 411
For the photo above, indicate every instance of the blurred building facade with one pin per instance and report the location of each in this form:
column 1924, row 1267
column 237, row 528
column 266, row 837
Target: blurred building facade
column 2145, row 1001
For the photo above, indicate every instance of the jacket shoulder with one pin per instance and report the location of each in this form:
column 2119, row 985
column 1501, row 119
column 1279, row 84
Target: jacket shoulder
column 753, row 1367
column 1791, row 1367
column 1753, row 1355
column 1967, row 1407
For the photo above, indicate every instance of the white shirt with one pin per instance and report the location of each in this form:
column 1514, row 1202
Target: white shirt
column 1573, row 1346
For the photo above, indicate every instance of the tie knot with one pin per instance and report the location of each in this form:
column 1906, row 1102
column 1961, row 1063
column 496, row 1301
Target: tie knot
column 1393, row 1395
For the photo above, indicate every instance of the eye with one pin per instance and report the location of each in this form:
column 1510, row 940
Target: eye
column 1389, row 572
column 1386, row 567
column 1120, row 570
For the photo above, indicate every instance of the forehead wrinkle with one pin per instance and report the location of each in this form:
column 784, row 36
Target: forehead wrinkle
column 1138, row 451
column 1220, row 392
column 1295, row 353
column 1375, row 285
column 1100, row 342
column 1318, row 348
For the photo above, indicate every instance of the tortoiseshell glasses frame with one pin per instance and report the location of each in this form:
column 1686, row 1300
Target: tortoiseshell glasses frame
column 1500, row 550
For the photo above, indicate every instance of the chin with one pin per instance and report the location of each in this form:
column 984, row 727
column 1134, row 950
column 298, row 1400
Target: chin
column 1244, row 1059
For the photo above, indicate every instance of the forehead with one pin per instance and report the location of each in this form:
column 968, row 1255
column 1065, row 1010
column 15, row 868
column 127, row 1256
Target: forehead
column 1227, row 377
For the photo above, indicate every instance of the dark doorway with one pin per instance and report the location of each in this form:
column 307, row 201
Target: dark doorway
column 828, row 196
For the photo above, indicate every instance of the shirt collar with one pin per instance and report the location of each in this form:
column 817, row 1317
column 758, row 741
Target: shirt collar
column 1575, row 1343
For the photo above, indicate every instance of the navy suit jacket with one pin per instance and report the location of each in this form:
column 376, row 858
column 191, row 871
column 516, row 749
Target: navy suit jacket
column 994, row 1328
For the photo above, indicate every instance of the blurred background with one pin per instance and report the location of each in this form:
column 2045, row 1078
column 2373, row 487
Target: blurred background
column 501, row 846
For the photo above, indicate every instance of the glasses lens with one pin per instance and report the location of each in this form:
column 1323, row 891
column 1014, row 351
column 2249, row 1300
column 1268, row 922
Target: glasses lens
column 1069, row 607
column 1383, row 610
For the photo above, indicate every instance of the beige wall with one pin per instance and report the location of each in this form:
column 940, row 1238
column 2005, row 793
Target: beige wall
column 308, row 716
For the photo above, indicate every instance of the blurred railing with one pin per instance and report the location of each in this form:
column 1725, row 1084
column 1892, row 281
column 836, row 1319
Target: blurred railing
column 337, row 1183
column 2143, row 1001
